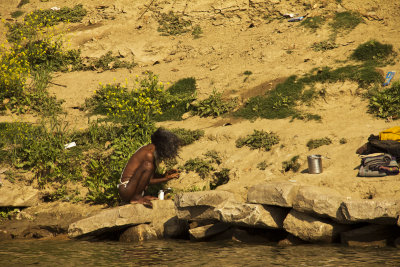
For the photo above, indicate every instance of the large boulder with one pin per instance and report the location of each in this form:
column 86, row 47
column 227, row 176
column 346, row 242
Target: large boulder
column 373, row 211
column 324, row 202
column 12, row 195
column 206, row 231
column 312, row 229
column 278, row 194
column 370, row 236
column 141, row 232
column 46, row 219
column 124, row 216
column 251, row 215
column 197, row 206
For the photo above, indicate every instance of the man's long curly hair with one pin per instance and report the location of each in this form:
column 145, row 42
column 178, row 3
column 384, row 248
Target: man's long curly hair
column 167, row 143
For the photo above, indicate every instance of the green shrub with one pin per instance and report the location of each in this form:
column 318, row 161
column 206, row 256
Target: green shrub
column 315, row 143
column 177, row 99
column 324, row 45
column 220, row 178
column 172, row 24
column 291, row 165
column 278, row 103
column 258, row 140
column 213, row 106
column 386, row 103
column 214, row 156
column 346, row 20
column 197, row 32
column 262, row 165
column 343, row 141
column 8, row 212
column 198, row 165
column 186, row 136
column 373, row 51
column 110, row 62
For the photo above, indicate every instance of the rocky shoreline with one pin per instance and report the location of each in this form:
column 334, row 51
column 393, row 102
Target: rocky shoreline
column 283, row 212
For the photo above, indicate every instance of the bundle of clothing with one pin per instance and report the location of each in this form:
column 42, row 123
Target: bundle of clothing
column 379, row 156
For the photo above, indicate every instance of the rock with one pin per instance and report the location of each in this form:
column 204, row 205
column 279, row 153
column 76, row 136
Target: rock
column 210, row 198
column 278, row 194
column 312, row 229
column 124, row 216
column 256, row 235
column 397, row 242
column 251, row 215
column 4, row 235
column 197, row 213
column 373, row 211
column 322, row 201
column 142, row 232
column 18, row 196
column 200, row 205
column 370, row 235
column 207, row 231
column 47, row 219
column 290, row 240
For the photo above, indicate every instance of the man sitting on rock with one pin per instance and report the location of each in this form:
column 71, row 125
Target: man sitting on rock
column 139, row 172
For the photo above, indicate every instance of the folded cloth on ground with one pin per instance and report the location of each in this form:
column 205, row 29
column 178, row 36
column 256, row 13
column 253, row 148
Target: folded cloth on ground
column 377, row 165
column 363, row 172
column 374, row 162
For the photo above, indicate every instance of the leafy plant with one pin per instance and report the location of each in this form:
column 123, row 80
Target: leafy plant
column 315, row 143
column 198, row 165
column 186, row 136
column 172, row 24
column 197, row 32
column 214, row 156
column 258, row 140
column 213, row 106
column 386, row 103
column 291, row 165
column 110, row 62
column 220, row 178
column 262, row 165
column 324, row 45
column 343, row 141
column 22, row 2
column 177, row 99
column 8, row 212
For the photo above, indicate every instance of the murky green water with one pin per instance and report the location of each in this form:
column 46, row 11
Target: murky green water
column 186, row 253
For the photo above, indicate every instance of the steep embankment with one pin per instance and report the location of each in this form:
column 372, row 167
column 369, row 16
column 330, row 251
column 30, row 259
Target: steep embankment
column 239, row 36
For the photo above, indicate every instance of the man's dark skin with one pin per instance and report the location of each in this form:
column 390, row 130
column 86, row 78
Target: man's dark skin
column 140, row 172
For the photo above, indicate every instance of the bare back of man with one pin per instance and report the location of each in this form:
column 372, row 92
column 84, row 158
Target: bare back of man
column 139, row 172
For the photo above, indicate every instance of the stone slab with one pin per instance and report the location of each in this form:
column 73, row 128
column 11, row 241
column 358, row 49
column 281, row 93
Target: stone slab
column 278, row 194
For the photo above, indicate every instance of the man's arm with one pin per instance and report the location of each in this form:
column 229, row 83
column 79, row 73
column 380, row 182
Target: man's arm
column 166, row 178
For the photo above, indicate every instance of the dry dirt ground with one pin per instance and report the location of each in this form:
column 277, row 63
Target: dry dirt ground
column 238, row 36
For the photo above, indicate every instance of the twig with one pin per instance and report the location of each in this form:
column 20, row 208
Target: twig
column 58, row 84
column 147, row 9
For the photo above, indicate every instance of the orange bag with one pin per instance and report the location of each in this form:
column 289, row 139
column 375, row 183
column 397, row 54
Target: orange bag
column 390, row 134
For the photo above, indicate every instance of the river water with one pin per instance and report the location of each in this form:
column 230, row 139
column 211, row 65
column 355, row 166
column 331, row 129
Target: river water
column 187, row 253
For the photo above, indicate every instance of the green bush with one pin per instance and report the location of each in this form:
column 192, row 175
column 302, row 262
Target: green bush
column 177, row 99
column 386, row 103
column 291, row 165
column 186, row 136
column 220, row 178
column 315, row 143
column 258, row 140
column 172, row 24
column 213, row 106
column 198, row 165
column 110, row 62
